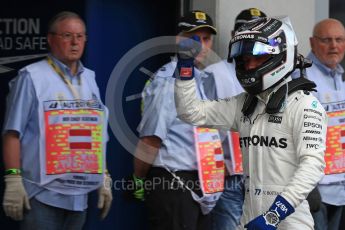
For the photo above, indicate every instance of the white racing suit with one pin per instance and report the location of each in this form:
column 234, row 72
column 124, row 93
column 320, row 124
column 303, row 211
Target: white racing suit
column 283, row 153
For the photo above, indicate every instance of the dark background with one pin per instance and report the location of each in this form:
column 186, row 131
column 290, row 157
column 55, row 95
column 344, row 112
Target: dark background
column 113, row 28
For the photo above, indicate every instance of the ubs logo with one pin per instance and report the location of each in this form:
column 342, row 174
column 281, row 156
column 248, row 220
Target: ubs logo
column 275, row 119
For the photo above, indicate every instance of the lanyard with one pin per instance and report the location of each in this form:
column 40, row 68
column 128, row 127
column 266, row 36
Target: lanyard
column 64, row 78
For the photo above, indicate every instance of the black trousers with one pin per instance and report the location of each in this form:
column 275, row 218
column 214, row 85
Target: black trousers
column 170, row 205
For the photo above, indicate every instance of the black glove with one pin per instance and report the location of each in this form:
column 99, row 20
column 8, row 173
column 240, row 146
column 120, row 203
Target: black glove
column 134, row 188
column 188, row 49
column 314, row 200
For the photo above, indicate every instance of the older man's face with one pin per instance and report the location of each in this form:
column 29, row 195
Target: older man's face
column 328, row 43
column 67, row 41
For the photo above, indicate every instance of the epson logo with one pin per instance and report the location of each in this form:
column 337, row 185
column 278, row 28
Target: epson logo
column 313, row 125
column 275, row 119
column 263, row 141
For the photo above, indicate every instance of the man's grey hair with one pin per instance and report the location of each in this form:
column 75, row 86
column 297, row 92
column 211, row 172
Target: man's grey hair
column 60, row 17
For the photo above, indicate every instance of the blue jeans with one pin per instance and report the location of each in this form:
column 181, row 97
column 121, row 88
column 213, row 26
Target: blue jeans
column 328, row 217
column 227, row 213
column 45, row 217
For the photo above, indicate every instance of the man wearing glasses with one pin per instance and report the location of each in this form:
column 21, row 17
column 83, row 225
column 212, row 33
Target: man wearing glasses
column 55, row 135
column 327, row 51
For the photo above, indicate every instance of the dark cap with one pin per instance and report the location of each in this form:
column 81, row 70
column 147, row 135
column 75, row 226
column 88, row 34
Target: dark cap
column 247, row 15
column 194, row 20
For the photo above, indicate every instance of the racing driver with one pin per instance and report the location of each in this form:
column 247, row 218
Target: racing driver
column 282, row 125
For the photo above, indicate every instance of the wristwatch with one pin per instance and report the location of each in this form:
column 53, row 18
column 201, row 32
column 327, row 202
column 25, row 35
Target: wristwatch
column 271, row 218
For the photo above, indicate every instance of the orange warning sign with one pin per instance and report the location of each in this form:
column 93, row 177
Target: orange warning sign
column 335, row 143
column 74, row 141
column 210, row 159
